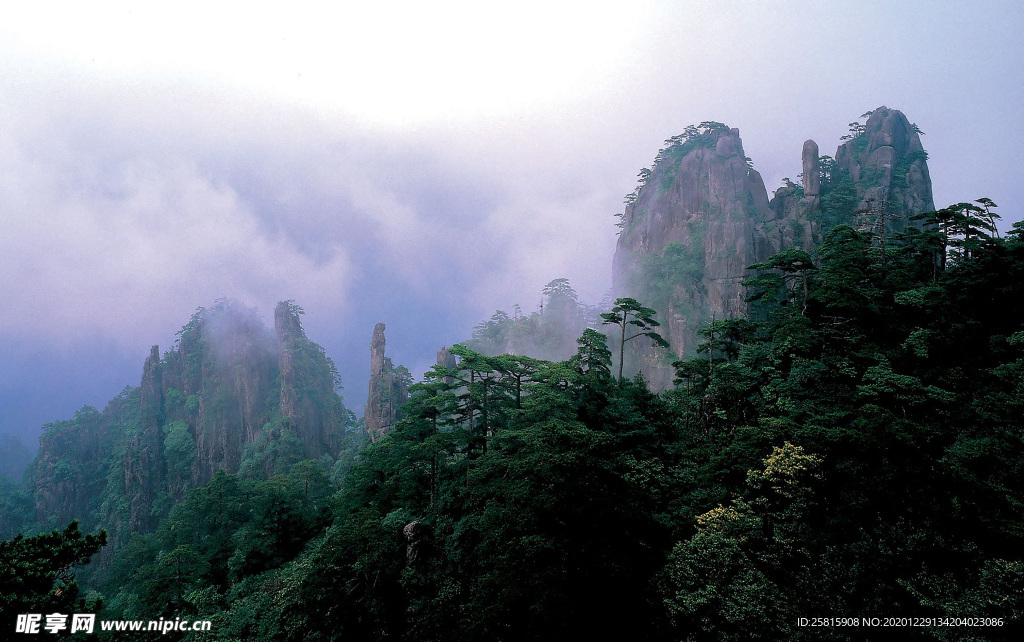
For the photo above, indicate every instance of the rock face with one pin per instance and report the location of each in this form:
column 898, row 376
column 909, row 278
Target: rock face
column 812, row 167
column 701, row 215
column 66, row 476
column 888, row 167
column 795, row 209
column 388, row 389
column 446, row 359
column 144, row 466
column 374, row 416
column 309, row 405
column 288, row 331
column 225, row 367
column 689, row 235
column 223, row 396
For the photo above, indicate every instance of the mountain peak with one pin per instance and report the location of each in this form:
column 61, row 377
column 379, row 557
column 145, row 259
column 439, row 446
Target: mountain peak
column 700, row 215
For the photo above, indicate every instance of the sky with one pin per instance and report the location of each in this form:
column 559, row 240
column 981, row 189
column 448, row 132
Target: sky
column 420, row 164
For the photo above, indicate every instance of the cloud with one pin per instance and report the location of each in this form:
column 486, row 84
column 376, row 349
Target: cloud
column 154, row 166
column 125, row 243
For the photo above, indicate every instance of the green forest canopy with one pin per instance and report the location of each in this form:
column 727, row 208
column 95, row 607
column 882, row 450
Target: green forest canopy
column 852, row 449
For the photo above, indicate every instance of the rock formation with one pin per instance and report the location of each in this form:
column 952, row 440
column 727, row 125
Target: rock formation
column 302, row 404
column 888, row 167
column 223, row 395
column 374, row 414
column 689, row 234
column 388, row 389
column 144, row 465
column 288, row 330
column 447, row 360
column 225, row 366
column 701, row 215
column 66, row 476
column 812, row 167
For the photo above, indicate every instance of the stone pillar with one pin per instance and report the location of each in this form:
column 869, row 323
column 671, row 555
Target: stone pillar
column 812, row 169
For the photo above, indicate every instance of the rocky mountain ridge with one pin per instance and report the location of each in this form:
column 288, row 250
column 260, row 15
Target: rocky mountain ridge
column 701, row 214
column 232, row 395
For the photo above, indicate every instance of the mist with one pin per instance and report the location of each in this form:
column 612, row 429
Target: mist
column 140, row 181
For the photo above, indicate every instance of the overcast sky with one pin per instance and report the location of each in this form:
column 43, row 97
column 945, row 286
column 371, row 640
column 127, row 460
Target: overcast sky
column 421, row 164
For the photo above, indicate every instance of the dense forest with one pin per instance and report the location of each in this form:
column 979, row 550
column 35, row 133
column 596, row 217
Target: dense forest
column 851, row 449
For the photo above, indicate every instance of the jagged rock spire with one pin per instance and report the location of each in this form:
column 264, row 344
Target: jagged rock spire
column 387, row 389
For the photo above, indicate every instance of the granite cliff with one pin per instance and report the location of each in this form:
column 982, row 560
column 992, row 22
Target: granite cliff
column 388, row 388
column 701, row 214
column 232, row 395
